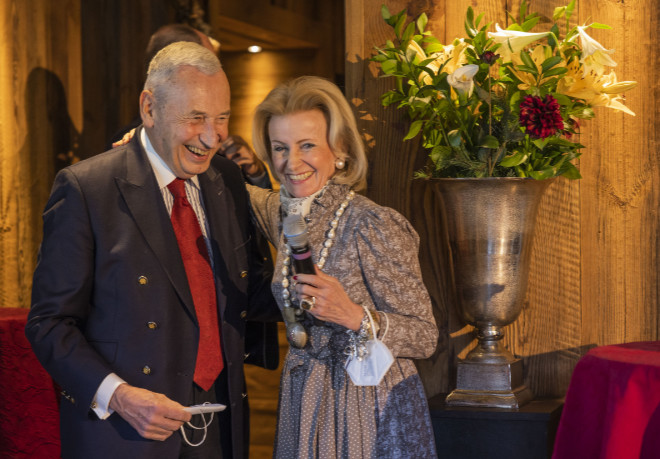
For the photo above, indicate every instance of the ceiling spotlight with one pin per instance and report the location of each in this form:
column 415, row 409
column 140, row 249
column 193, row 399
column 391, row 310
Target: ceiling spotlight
column 254, row 49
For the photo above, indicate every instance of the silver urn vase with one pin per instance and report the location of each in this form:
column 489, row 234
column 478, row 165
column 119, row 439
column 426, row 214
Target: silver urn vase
column 490, row 227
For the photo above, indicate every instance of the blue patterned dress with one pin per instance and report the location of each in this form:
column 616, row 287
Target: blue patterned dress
column 321, row 413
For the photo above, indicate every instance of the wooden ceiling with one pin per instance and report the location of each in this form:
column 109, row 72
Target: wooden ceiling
column 272, row 24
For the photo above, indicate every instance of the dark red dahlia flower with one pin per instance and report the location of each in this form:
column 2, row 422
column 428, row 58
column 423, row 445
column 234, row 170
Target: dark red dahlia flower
column 541, row 118
column 489, row 57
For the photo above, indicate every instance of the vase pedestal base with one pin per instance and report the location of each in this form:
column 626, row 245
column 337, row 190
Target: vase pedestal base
column 488, row 384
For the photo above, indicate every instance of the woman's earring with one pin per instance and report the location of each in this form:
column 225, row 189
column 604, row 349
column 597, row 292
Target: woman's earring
column 339, row 163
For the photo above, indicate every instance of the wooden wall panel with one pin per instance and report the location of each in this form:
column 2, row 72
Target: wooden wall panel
column 547, row 334
column 40, row 117
column 253, row 76
column 621, row 185
column 594, row 277
column 133, row 24
column 115, row 34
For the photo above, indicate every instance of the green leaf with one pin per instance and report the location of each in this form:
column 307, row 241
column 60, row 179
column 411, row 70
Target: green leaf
column 515, row 159
column 569, row 9
column 434, row 48
column 552, row 38
column 571, row 172
column 409, row 32
column 478, row 20
column 527, row 60
column 455, row 138
column 550, row 62
column 490, row 141
column 391, row 97
column 597, row 25
column 422, row 20
column 389, row 66
column 399, row 25
column 541, row 143
column 440, row 153
column 385, row 12
column 523, row 10
column 543, row 174
column 469, row 23
column 524, row 68
column 469, row 16
column 558, row 13
column 555, row 71
column 421, row 174
column 530, row 23
column 414, row 129
column 514, row 101
column 562, row 99
column 395, row 18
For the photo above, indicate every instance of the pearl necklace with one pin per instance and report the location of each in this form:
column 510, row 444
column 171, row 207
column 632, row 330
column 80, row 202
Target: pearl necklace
column 287, row 285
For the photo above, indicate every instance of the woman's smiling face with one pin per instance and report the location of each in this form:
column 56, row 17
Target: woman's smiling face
column 300, row 152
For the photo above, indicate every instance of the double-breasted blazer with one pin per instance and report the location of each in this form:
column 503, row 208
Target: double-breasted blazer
column 110, row 295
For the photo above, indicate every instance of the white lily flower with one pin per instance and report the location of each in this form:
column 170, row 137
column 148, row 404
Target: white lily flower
column 415, row 50
column 462, row 79
column 594, row 55
column 513, row 41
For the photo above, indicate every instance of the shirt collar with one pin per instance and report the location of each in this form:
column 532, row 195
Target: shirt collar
column 163, row 173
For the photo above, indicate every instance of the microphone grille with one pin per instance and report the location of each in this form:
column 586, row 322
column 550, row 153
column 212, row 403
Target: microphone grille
column 295, row 230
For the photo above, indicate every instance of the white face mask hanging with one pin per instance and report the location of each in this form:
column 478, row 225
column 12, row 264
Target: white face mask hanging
column 368, row 366
column 202, row 409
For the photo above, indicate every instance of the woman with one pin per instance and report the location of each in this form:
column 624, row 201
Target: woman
column 306, row 132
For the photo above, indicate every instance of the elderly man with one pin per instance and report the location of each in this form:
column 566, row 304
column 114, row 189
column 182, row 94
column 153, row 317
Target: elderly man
column 146, row 275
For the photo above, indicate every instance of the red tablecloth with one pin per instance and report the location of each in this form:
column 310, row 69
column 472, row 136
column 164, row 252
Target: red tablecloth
column 29, row 419
column 612, row 408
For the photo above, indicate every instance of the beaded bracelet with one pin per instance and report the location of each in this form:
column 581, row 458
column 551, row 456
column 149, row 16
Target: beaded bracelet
column 358, row 339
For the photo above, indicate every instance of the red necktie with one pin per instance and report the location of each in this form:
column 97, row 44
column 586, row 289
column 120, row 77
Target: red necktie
column 202, row 286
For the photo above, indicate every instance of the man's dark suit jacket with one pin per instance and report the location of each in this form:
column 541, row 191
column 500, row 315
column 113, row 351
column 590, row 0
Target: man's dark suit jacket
column 110, row 295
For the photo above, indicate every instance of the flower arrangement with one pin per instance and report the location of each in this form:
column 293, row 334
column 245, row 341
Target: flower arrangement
column 504, row 103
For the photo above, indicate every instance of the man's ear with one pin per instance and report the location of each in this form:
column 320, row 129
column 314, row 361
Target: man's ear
column 147, row 108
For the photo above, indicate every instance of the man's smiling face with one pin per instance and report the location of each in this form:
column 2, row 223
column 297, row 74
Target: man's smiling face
column 187, row 122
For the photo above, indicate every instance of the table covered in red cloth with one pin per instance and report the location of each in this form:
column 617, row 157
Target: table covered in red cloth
column 29, row 419
column 612, row 408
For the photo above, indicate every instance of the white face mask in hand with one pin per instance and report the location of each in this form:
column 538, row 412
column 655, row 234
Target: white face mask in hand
column 370, row 368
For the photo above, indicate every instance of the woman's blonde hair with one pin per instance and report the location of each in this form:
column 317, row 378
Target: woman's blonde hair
column 315, row 93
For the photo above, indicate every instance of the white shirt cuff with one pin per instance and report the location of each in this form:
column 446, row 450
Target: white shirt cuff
column 104, row 395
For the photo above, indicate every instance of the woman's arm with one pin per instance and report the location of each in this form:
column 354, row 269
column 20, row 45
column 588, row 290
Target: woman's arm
column 265, row 210
column 388, row 249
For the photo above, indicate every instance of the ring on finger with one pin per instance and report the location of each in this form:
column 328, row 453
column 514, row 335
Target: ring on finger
column 308, row 303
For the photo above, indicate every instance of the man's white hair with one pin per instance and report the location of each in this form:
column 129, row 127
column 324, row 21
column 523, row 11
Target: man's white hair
column 165, row 64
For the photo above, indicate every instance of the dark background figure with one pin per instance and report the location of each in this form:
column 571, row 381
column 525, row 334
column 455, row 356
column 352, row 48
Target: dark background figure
column 165, row 35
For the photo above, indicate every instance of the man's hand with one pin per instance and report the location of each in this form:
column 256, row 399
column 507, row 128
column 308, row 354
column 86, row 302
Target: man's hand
column 153, row 415
column 243, row 156
column 124, row 140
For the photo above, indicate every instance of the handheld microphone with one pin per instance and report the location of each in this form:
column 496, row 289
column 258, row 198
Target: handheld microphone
column 295, row 231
